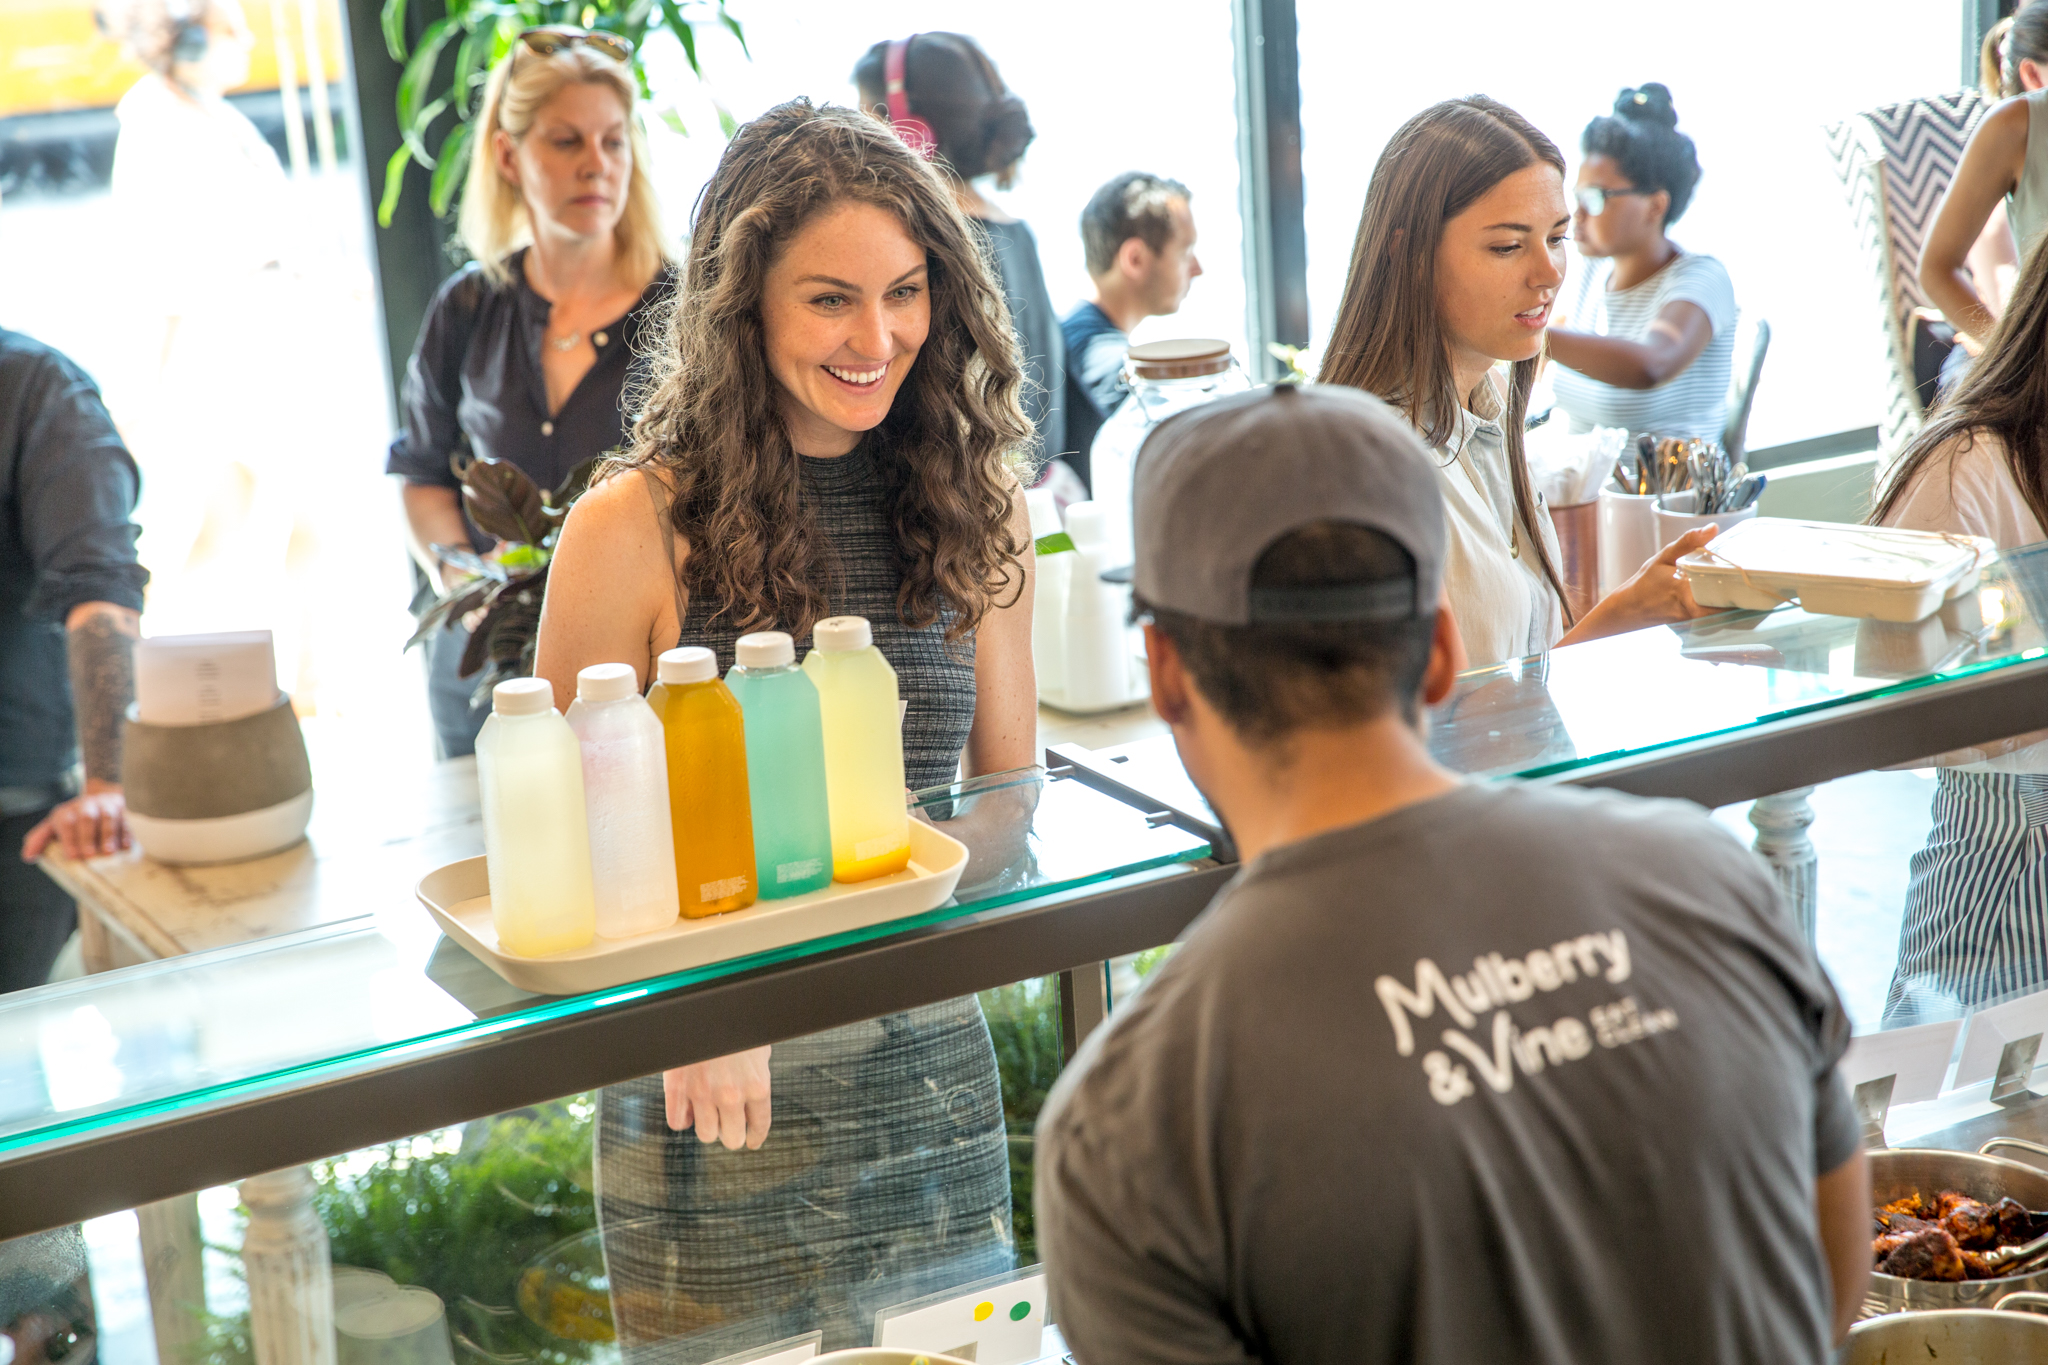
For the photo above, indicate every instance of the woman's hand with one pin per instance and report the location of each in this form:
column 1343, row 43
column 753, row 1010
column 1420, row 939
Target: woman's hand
column 725, row 1099
column 1657, row 596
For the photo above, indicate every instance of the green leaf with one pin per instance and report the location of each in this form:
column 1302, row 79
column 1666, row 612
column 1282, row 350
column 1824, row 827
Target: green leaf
column 1055, row 543
column 394, row 29
column 449, row 167
column 394, row 180
column 737, row 31
column 418, row 76
column 472, row 63
column 685, row 34
column 523, row 557
column 727, row 124
column 674, row 121
column 416, row 136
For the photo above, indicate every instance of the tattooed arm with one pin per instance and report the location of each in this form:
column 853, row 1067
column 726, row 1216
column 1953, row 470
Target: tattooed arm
column 100, row 641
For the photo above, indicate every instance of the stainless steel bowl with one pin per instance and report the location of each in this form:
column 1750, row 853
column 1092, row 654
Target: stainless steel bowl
column 1899, row 1172
column 1956, row 1336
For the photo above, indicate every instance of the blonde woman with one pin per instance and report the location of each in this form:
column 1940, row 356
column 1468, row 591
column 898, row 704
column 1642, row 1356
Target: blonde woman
column 523, row 354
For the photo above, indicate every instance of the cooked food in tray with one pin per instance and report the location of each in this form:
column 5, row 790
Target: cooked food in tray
column 1953, row 1237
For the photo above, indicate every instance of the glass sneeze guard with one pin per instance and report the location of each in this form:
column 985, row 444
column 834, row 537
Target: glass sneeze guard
column 1632, row 694
column 1652, row 690
column 192, row 1032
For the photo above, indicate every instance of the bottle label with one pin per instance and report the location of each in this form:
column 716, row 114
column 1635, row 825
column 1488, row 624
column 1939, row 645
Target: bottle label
column 876, row 847
column 720, row 889
column 799, row 871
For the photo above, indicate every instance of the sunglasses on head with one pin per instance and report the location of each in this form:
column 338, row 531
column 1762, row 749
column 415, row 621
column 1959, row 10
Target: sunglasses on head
column 1594, row 200
column 548, row 39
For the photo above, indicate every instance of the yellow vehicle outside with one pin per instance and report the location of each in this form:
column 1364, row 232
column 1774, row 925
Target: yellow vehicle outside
column 54, row 59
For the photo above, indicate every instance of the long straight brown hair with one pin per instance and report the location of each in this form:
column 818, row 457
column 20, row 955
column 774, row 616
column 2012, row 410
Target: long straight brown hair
column 2004, row 394
column 1389, row 338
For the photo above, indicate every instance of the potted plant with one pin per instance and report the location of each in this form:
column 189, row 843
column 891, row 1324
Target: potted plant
column 502, row 598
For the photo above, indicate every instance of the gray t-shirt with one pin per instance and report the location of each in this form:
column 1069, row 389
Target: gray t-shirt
column 1516, row 1073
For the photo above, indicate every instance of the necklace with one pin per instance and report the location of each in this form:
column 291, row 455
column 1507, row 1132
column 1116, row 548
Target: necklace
column 566, row 343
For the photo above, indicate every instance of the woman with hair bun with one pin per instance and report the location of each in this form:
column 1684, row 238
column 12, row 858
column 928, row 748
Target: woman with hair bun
column 978, row 130
column 523, row 354
column 1647, row 340
column 1969, row 259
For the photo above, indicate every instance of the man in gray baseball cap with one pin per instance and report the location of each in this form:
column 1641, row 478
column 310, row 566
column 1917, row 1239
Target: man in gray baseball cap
column 1451, row 1071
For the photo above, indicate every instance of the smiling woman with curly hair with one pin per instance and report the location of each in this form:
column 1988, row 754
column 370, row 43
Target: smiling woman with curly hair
column 830, row 430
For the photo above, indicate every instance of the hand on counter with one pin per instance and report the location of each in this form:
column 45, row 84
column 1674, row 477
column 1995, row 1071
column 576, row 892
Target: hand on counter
column 725, row 1099
column 1658, row 595
column 88, row 825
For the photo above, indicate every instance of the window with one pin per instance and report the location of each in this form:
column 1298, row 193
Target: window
column 1754, row 83
column 1111, row 87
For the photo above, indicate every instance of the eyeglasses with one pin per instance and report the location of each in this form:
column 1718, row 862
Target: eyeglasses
column 1594, row 199
column 549, row 39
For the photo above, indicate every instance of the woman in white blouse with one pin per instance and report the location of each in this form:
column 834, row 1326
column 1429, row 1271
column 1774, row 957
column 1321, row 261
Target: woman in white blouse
column 1459, row 257
column 1976, row 921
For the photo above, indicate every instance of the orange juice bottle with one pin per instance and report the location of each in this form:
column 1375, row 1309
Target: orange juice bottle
column 707, row 783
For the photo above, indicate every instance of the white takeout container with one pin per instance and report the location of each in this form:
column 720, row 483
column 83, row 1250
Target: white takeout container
column 458, row 896
column 1835, row 569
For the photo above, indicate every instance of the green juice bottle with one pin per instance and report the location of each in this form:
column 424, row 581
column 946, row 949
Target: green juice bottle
column 785, row 765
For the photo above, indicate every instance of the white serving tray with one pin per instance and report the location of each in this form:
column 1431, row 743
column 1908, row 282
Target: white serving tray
column 1876, row 572
column 458, row 897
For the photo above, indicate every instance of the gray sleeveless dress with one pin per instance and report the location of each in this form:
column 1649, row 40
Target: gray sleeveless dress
column 885, row 1175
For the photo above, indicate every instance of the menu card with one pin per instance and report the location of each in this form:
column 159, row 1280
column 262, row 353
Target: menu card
column 204, row 679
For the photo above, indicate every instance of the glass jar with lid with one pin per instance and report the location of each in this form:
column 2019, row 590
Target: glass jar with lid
column 1166, row 377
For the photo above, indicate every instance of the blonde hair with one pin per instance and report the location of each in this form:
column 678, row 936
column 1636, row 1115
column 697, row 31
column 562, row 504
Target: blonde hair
column 494, row 221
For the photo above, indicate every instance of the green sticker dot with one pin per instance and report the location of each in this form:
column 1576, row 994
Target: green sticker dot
column 1019, row 1312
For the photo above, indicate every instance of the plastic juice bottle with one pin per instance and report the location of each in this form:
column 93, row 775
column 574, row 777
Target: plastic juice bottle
column 785, row 766
column 707, row 783
column 1054, row 559
column 625, row 791
column 1098, row 640
column 863, row 750
column 536, row 843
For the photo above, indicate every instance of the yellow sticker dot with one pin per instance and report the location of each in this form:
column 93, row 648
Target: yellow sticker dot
column 983, row 1311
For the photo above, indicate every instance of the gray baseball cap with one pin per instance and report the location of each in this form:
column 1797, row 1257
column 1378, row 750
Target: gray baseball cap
column 1216, row 485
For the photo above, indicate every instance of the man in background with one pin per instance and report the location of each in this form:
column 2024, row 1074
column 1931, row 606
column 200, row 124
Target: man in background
column 1139, row 236
column 1451, row 1071
column 70, row 613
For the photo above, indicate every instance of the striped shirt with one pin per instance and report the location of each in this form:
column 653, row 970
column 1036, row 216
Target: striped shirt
column 1693, row 404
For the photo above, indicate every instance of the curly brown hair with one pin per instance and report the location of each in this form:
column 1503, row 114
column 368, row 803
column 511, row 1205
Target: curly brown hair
column 712, row 431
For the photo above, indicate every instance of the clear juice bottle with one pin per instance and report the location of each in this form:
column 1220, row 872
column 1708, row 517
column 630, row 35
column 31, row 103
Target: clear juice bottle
column 863, row 750
column 536, row 843
column 785, row 766
column 707, row 783
column 625, row 791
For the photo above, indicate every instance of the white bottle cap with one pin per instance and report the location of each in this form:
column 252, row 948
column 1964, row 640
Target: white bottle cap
column 1087, row 524
column 842, row 634
column 523, row 697
column 607, row 682
column 691, row 664
column 765, row 649
column 1045, row 512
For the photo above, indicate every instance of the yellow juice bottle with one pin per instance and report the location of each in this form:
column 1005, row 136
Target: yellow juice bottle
column 863, row 750
column 707, row 783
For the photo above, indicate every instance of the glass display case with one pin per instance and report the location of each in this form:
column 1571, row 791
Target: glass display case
column 459, row 1132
